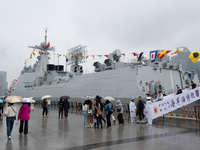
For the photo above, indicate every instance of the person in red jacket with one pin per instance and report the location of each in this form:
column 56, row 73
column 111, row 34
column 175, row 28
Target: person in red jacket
column 23, row 116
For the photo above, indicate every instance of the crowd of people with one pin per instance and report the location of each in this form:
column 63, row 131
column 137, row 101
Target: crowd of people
column 93, row 112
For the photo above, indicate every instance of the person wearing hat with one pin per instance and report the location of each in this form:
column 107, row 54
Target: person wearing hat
column 132, row 108
column 149, row 109
column 160, row 96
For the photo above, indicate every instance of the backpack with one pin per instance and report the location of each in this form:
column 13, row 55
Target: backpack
column 99, row 112
column 84, row 107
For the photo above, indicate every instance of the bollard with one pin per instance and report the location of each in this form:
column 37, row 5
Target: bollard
column 171, row 115
column 197, row 114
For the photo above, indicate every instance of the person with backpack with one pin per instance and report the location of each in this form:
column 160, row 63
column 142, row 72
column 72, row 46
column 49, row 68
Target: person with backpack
column 98, row 112
column 85, row 113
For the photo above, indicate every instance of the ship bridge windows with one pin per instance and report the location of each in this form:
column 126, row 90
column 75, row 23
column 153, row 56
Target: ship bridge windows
column 27, row 86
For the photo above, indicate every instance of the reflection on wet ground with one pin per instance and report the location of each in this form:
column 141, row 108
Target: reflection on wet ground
column 53, row 133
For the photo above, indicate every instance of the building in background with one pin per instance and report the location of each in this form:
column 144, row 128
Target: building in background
column 3, row 83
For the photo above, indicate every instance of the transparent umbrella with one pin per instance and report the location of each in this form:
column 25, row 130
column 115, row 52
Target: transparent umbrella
column 28, row 100
column 109, row 98
column 46, row 96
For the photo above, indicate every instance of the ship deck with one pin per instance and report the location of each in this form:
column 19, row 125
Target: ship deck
column 53, row 133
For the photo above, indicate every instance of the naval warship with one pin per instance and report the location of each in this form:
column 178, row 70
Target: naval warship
column 115, row 78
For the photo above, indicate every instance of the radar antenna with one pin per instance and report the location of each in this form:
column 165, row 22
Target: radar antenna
column 77, row 54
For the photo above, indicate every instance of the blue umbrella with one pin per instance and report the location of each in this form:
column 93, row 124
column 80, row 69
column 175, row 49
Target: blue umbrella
column 1, row 101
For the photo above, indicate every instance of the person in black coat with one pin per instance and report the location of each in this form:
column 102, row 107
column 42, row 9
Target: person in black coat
column 66, row 107
column 179, row 91
column 193, row 85
column 140, row 108
column 60, row 105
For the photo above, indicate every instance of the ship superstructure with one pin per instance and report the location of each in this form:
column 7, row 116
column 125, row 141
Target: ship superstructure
column 112, row 78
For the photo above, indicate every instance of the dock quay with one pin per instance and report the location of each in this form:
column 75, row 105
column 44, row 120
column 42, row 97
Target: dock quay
column 55, row 133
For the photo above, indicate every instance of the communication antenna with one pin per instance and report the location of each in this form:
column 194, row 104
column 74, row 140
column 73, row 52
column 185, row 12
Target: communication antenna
column 77, row 55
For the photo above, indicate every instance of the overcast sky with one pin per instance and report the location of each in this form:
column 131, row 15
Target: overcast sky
column 101, row 25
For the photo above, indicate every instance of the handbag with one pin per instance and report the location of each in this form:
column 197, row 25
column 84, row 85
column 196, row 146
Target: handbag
column 84, row 107
column 118, row 110
column 110, row 112
column 90, row 111
column 99, row 112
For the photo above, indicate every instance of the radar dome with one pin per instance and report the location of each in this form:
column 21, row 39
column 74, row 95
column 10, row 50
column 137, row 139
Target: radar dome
column 43, row 44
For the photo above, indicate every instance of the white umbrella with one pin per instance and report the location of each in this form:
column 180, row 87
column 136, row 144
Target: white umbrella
column 13, row 99
column 88, row 97
column 46, row 96
column 109, row 98
column 28, row 100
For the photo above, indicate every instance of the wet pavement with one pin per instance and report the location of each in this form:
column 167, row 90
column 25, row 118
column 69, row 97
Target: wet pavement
column 53, row 133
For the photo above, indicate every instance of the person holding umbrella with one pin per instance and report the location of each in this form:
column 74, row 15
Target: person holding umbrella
column 24, row 117
column 10, row 115
column 11, row 112
column 66, row 105
column 44, row 106
column 60, row 104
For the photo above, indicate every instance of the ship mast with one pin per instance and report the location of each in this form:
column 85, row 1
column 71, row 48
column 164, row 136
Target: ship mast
column 45, row 37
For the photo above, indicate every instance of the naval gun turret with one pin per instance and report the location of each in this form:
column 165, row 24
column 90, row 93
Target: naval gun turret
column 112, row 57
column 99, row 67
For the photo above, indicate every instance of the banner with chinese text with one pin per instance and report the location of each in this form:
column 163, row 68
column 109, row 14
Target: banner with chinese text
column 174, row 101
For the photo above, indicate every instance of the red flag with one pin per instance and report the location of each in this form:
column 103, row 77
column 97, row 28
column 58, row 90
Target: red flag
column 47, row 45
column 87, row 56
column 134, row 54
column 106, row 56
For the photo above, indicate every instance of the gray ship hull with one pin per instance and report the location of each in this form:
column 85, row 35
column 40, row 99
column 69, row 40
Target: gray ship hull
column 123, row 83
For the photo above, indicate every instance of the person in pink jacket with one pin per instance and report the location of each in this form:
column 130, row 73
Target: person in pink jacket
column 23, row 116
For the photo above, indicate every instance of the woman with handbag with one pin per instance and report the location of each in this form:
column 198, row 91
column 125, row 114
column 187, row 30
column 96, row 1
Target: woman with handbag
column 98, row 112
column 10, row 115
column 90, row 115
column 24, row 117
